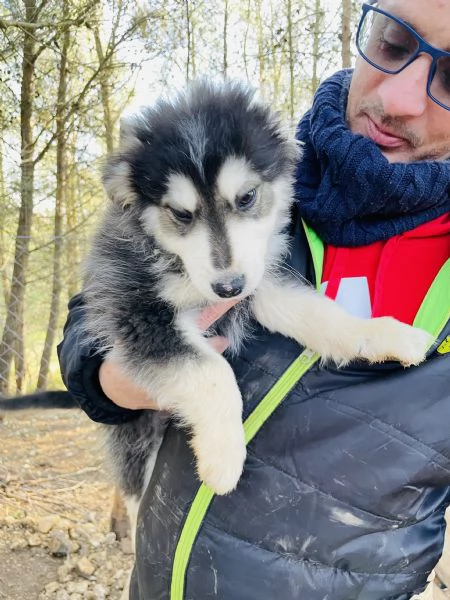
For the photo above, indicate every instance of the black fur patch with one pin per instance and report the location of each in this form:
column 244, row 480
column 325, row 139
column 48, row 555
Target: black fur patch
column 196, row 133
column 130, row 446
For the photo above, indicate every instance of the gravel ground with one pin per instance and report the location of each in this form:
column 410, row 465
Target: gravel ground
column 55, row 500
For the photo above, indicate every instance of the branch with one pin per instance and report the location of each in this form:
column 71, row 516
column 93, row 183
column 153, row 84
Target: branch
column 76, row 103
column 4, row 24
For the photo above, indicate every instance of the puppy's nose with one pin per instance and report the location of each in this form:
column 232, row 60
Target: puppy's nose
column 229, row 288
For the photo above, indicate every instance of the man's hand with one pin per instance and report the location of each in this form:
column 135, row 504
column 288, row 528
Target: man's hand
column 121, row 390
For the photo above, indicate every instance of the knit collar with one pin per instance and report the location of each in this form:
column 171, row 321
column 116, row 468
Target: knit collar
column 347, row 190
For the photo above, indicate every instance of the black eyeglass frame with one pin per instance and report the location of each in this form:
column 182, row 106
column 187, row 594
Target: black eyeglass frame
column 423, row 48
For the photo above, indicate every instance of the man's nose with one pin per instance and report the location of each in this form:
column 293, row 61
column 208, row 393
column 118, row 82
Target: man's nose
column 405, row 94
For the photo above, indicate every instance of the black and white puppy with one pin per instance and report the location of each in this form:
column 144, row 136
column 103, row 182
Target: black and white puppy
column 200, row 195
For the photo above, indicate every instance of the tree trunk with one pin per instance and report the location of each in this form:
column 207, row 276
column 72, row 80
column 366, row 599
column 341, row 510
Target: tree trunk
column 190, row 58
column 104, row 93
column 72, row 218
column 291, row 58
column 318, row 15
column 276, row 64
column 61, row 109
column 11, row 344
column 346, row 33
column 261, row 47
column 225, row 40
column 4, row 281
column 249, row 11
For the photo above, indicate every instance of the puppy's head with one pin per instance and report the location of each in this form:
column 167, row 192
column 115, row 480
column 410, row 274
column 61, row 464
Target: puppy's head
column 209, row 175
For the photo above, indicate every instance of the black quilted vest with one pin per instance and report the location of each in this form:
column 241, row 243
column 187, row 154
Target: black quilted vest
column 343, row 494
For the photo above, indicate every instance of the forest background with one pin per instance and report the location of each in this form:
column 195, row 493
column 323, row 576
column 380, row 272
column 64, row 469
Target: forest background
column 68, row 70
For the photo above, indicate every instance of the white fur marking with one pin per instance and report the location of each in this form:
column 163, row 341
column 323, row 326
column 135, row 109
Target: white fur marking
column 181, row 193
column 117, row 184
column 236, row 177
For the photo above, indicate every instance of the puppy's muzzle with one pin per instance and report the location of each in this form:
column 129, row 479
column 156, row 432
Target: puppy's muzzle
column 230, row 287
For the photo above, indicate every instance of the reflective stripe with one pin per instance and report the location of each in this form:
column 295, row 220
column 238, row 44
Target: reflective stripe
column 205, row 495
column 434, row 311
column 317, row 252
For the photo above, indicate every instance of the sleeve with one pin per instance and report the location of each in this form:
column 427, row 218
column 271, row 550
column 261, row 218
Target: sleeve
column 79, row 364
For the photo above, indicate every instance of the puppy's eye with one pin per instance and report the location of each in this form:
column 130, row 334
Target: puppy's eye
column 247, row 200
column 183, row 216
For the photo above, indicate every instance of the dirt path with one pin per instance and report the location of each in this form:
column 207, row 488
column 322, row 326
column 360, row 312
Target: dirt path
column 55, row 501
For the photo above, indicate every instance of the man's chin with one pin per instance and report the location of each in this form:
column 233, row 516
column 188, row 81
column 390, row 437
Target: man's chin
column 397, row 155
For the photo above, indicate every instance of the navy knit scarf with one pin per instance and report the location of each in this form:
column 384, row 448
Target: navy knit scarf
column 345, row 188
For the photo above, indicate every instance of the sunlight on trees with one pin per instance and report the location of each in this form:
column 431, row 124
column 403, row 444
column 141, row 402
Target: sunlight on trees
column 68, row 70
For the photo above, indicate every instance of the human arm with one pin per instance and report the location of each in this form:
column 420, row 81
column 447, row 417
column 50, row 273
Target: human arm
column 80, row 364
column 98, row 384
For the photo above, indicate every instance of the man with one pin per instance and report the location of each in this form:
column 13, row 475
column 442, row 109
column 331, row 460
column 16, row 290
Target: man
column 346, row 482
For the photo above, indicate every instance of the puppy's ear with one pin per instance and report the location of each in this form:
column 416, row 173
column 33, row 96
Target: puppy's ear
column 292, row 148
column 117, row 172
column 117, row 181
column 128, row 137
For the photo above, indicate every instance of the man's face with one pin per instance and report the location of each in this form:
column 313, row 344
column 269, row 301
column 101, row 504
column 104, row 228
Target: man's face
column 395, row 110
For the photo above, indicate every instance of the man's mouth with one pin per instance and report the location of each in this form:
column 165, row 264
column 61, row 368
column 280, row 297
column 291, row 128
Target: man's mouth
column 381, row 136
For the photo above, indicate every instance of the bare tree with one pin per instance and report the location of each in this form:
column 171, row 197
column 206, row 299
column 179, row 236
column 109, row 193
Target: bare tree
column 3, row 210
column 225, row 39
column 291, row 59
column 104, row 91
column 316, row 54
column 61, row 110
column 12, row 340
column 190, row 31
column 346, row 28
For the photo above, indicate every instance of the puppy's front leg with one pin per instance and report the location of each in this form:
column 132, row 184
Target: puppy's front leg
column 201, row 391
column 317, row 322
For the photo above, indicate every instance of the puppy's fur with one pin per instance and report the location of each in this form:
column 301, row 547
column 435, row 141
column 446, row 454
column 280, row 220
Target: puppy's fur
column 200, row 195
column 38, row 400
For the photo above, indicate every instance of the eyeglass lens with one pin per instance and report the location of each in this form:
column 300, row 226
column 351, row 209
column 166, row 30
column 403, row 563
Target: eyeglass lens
column 389, row 46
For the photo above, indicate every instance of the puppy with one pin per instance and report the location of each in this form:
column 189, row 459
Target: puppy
column 200, row 192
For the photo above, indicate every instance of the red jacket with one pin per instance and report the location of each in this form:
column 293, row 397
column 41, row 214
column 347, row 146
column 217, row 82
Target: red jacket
column 388, row 278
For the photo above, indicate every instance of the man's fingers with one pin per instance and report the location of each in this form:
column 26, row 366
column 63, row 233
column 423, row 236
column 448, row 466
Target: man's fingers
column 211, row 314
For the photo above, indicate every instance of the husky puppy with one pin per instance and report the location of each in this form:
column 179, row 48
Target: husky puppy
column 200, row 195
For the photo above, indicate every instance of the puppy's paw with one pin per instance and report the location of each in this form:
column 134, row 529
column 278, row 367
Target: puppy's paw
column 220, row 457
column 389, row 339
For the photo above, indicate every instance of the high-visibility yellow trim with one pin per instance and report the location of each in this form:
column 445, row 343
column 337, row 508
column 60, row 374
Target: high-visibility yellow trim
column 317, row 252
column 277, row 393
column 444, row 348
column 205, row 495
column 435, row 309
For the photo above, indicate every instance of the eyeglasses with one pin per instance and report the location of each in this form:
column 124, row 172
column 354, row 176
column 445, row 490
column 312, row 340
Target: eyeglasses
column 390, row 45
